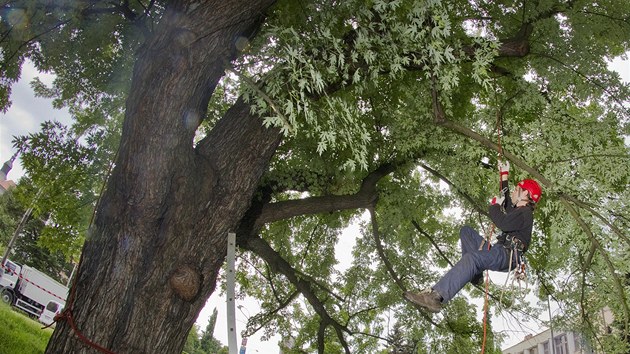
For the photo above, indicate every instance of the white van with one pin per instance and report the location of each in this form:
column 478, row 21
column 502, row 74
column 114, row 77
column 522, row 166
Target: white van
column 52, row 309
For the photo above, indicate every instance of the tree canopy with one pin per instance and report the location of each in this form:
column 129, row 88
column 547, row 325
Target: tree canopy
column 389, row 114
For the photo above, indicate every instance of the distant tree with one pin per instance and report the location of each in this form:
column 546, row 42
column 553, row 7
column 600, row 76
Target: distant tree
column 27, row 248
column 67, row 170
column 192, row 345
column 204, row 343
column 208, row 343
column 398, row 343
column 9, row 208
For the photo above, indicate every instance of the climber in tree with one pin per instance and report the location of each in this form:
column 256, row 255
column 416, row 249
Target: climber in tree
column 513, row 215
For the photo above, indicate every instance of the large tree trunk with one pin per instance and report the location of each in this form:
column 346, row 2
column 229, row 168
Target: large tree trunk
column 153, row 253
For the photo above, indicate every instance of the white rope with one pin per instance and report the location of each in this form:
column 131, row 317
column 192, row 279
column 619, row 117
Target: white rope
column 508, row 275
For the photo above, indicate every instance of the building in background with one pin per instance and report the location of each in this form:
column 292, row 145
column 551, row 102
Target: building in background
column 564, row 342
column 5, row 184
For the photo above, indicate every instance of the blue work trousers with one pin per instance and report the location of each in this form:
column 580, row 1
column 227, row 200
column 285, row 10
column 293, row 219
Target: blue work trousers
column 473, row 262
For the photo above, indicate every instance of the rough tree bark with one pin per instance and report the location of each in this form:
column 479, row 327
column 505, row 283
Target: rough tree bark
column 153, row 253
column 159, row 238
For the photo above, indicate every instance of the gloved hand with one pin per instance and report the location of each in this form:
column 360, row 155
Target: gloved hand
column 504, row 167
column 497, row 200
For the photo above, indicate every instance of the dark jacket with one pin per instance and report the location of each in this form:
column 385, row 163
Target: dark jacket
column 517, row 222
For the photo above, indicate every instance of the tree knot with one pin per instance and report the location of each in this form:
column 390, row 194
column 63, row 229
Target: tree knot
column 185, row 281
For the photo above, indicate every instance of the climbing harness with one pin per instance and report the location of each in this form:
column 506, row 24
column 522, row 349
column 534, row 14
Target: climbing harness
column 516, row 248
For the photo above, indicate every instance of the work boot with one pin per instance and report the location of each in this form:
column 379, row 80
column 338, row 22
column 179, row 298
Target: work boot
column 428, row 298
column 477, row 279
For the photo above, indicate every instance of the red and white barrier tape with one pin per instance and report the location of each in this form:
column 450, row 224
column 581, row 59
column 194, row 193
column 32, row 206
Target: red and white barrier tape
column 28, row 281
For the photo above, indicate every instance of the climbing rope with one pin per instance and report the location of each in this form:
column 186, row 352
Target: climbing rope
column 486, row 301
column 488, row 239
column 66, row 315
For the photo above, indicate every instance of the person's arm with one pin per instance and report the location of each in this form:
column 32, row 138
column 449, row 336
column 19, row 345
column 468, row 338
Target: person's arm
column 503, row 198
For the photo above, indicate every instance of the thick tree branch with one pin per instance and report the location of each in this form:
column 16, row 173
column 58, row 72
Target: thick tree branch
column 321, row 335
column 316, row 205
column 342, row 339
column 381, row 252
column 365, row 196
column 280, row 265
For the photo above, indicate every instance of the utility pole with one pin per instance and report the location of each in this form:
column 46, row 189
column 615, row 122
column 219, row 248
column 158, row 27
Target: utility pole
column 3, row 175
column 4, row 172
column 17, row 232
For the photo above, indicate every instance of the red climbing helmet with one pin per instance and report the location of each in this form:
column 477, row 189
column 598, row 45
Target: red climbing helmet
column 535, row 192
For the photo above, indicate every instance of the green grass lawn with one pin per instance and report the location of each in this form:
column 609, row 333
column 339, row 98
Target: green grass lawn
column 21, row 335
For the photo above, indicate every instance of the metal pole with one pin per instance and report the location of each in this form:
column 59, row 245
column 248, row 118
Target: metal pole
column 19, row 228
column 17, row 232
column 74, row 270
column 231, row 279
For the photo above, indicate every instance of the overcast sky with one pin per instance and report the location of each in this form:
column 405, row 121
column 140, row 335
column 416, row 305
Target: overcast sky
column 26, row 116
column 28, row 112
